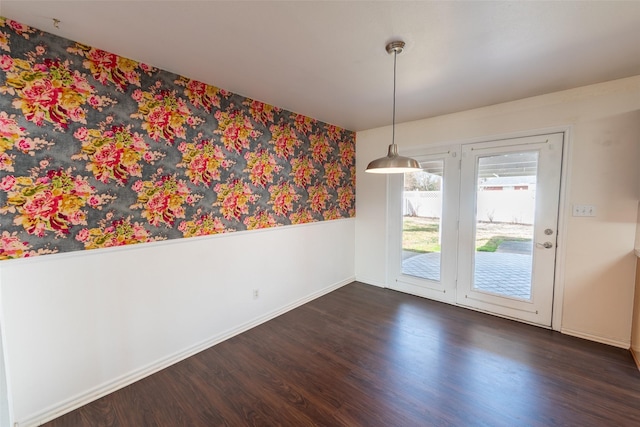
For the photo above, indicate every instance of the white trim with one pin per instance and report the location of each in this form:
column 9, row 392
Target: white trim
column 4, row 363
column 372, row 282
column 108, row 387
column 387, row 278
column 176, row 241
column 616, row 343
column 564, row 210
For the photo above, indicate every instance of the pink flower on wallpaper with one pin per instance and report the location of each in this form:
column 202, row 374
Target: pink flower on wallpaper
column 14, row 137
column 162, row 199
column 19, row 28
column 333, row 132
column 163, row 113
column 7, row 183
column 261, row 219
column 331, row 213
column 107, row 67
column 234, row 198
column 346, row 197
column 119, row 232
column 6, row 63
column 302, row 171
column 284, row 140
column 347, row 152
column 282, row 198
column 53, row 202
column 260, row 112
column 11, row 247
column 333, row 174
column 203, row 161
column 201, row 95
column 50, row 92
column 236, row 129
column 202, row 225
column 302, row 216
column 302, row 124
column 261, row 166
column 320, row 148
column 114, row 153
column 318, row 197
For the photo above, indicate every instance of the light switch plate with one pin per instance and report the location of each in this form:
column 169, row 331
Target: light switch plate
column 584, row 210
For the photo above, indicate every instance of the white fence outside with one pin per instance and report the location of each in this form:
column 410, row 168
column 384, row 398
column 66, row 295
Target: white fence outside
column 510, row 206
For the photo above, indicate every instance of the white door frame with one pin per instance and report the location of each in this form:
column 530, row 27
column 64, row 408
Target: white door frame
column 445, row 290
column 538, row 307
column 394, row 214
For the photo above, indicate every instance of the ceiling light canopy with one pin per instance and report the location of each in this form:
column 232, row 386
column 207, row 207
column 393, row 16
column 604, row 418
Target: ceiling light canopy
column 393, row 162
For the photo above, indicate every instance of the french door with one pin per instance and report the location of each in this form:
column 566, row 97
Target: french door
column 492, row 244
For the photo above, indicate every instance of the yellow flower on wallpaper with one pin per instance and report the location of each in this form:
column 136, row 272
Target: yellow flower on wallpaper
column 234, row 198
column 115, row 232
column 302, row 171
column 114, row 153
column 50, row 200
column 261, row 166
column 236, row 129
column 284, row 140
column 163, row 113
column 302, row 216
column 163, row 198
column 12, row 247
column 320, row 148
column 14, row 137
column 202, row 95
column 49, row 91
column 202, row 225
column 260, row 112
column 261, row 219
column 203, row 161
column 282, row 198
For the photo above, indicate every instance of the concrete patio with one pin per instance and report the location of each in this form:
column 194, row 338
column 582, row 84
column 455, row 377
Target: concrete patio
column 506, row 271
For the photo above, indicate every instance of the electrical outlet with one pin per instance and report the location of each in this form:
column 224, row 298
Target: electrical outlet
column 584, row 210
column 256, row 293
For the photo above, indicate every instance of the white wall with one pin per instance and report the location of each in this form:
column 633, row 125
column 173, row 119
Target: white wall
column 4, row 394
column 597, row 263
column 82, row 324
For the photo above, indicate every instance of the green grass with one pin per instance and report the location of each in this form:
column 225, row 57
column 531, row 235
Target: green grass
column 420, row 235
column 492, row 244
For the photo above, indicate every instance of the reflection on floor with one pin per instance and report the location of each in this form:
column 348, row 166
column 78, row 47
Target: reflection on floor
column 506, row 272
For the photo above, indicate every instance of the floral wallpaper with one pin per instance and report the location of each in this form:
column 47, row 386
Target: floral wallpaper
column 97, row 150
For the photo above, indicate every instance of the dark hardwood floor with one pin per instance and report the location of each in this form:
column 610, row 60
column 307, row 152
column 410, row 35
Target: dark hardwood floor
column 365, row 356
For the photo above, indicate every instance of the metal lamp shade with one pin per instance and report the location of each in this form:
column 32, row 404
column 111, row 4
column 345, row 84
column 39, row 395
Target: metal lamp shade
column 393, row 163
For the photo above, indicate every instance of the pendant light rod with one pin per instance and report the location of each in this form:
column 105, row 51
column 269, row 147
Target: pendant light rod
column 394, row 47
column 393, row 120
column 393, row 163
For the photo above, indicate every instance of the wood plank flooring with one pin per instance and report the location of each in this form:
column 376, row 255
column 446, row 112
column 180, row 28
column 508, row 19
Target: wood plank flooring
column 365, row 356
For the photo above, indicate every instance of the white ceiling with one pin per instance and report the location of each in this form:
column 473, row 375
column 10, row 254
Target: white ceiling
column 326, row 59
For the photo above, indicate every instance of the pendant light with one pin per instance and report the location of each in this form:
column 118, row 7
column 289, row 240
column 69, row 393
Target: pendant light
column 393, row 162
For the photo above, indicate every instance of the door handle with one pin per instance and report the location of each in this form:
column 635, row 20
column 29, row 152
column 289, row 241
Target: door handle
column 546, row 245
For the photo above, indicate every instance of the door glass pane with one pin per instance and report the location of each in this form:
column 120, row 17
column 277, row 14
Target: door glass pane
column 422, row 221
column 505, row 208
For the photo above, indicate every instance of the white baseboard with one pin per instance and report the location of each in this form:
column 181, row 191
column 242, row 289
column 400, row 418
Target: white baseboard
column 603, row 340
column 84, row 398
column 371, row 282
